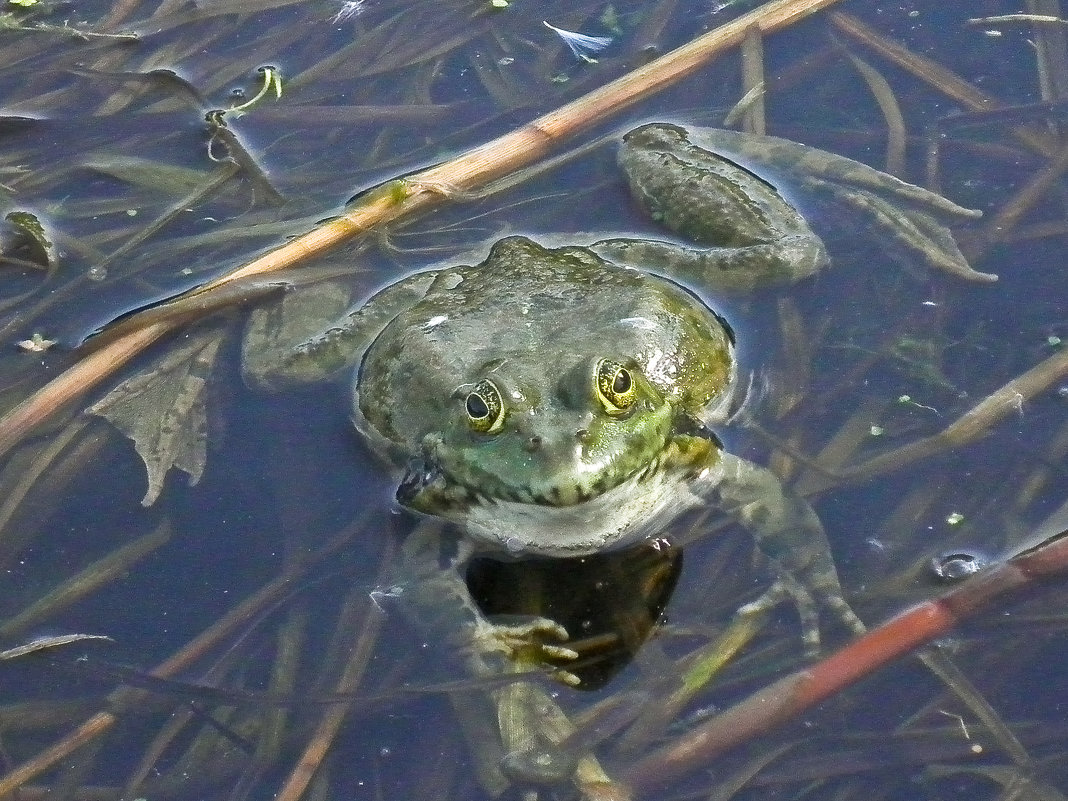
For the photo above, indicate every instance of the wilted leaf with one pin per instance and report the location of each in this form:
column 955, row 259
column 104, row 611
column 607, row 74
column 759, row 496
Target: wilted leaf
column 31, row 242
column 163, row 412
column 148, row 174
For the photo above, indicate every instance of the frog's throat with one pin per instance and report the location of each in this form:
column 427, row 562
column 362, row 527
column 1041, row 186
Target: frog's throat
column 574, row 520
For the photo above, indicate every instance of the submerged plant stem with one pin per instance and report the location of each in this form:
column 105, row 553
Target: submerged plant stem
column 788, row 697
column 125, row 697
column 93, row 577
column 973, row 424
column 934, row 74
column 330, row 723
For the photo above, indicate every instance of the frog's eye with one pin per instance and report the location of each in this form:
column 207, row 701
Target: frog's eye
column 484, row 408
column 615, row 387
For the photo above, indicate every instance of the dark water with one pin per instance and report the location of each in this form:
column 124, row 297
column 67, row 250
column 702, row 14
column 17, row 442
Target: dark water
column 889, row 350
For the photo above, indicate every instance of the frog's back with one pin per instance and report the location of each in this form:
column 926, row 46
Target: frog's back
column 544, row 313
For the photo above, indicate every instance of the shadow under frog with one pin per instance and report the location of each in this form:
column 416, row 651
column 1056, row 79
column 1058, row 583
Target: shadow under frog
column 560, row 402
column 609, row 603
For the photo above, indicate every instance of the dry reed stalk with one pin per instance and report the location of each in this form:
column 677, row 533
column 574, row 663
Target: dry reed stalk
column 419, row 192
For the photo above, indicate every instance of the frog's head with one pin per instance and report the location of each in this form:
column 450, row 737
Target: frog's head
column 548, row 401
column 583, row 458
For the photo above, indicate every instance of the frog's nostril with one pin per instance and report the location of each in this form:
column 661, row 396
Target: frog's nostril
column 533, row 444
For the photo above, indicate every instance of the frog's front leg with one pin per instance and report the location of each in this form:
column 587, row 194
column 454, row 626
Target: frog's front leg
column 788, row 531
column 311, row 335
column 434, row 596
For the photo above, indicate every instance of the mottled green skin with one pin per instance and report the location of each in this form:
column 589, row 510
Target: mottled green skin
column 747, row 236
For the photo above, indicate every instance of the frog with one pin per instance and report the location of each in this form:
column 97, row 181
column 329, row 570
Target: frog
column 563, row 401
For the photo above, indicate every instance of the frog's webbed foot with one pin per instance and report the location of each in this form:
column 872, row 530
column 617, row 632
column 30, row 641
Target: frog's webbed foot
column 913, row 222
column 787, row 589
column 789, row 533
column 525, row 642
column 438, row 601
column 914, row 217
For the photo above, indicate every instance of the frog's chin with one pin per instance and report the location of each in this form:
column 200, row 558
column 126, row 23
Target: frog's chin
column 638, row 508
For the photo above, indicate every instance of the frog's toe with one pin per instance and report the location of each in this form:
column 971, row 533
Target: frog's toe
column 844, row 612
column 803, row 601
column 807, row 607
column 526, row 641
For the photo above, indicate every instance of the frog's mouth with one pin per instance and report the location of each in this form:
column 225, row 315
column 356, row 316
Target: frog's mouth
column 563, row 520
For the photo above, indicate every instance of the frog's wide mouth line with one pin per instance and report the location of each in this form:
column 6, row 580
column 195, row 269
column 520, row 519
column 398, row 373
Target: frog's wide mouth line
column 639, row 501
column 433, row 488
column 430, row 486
column 566, row 494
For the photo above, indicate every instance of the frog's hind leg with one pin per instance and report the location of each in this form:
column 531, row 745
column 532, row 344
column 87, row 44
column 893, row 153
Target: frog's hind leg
column 807, row 610
column 787, row 588
column 742, row 269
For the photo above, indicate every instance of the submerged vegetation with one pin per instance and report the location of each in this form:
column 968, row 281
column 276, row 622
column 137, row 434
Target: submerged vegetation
column 244, row 639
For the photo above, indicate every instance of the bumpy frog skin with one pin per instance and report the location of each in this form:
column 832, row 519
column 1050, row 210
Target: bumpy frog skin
column 556, row 402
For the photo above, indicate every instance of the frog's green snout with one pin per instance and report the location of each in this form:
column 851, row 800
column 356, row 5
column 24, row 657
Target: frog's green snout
column 549, row 459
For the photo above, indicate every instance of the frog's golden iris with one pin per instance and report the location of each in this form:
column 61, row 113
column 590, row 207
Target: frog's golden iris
column 485, row 408
column 615, row 387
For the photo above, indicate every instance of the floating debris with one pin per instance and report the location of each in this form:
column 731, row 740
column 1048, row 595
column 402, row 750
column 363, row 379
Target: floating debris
column 272, row 79
column 41, row 643
column 581, row 44
column 958, row 565
column 906, row 400
column 36, row 343
column 348, row 10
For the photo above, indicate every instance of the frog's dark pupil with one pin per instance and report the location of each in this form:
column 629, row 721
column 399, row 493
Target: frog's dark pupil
column 621, row 383
column 476, row 407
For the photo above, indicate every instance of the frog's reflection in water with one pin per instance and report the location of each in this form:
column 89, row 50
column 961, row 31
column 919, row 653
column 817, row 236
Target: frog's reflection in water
column 609, row 603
